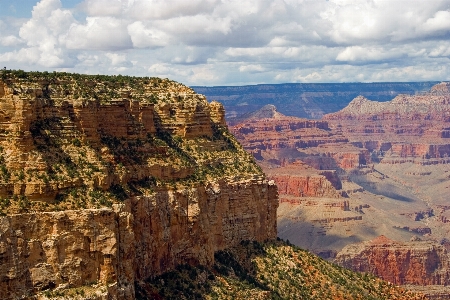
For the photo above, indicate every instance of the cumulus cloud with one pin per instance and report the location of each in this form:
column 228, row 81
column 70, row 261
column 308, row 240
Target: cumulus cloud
column 118, row 59
column 147, row 37
column 251, row 68
column 235, row 41
column 10, row 41
column 103, row 7
column 438, row 24
column 99, row 33
column 367, row 54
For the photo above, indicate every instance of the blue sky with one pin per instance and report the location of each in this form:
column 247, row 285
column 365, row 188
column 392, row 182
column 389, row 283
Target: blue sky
column 231, row 42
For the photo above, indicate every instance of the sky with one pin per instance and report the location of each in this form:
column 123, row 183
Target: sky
column 231, row 42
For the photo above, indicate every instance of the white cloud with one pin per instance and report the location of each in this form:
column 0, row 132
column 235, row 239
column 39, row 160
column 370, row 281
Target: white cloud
column 163, row 9
column 363, row 54
column 103, row 7
column 441, row 50
column 235, row 41
column 251, row 68
column 99, row 33
column 117, row 59
column 10, row 41
column 24, row 55
column 147, row 37
column 439, row 23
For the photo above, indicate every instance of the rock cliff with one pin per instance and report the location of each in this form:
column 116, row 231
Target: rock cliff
column 274, row 137
column 373, row 168
column 300, row 180
column 411, row 126
column 421, row 263
column 106, row 181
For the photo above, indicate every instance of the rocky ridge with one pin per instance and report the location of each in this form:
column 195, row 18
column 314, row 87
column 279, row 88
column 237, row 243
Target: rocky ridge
column 109, row 180
column 412, row 126
column 270, row 270
column 303, row 100
column 414, row 263
column 386, row 175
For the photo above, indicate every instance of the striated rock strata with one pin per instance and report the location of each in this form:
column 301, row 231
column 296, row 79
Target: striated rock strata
column 140, row 238
column 300, row 180
column 108, row 180
column 408, row 126
column 414, row 262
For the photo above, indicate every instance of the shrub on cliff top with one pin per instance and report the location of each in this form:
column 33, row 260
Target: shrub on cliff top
column 273, row 270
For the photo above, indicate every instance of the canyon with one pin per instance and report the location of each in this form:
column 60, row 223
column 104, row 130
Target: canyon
column 118, row 187
column 303, row 100
column 371, row 169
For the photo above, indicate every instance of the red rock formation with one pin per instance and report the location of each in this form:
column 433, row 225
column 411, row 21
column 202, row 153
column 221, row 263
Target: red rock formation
column 415, row 262
column 408, row 125
column 266, row 133
column 300, row 180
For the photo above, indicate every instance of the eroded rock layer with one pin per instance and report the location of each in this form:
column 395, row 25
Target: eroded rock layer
column 140, row 238
column 414, row 262
column 371, row 169
column 409, row 126
column 108, row 180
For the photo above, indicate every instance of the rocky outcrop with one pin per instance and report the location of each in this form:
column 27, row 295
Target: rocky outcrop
column 267, row 132
column 108, row 180
column 415, row 262
column 140, row 238
column 408, row 125
column 300, row 180
column 277, row 133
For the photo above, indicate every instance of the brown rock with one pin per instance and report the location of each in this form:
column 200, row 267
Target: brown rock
column 414, row 262
column 408, row 126
column 190, row 189
column 143, row 237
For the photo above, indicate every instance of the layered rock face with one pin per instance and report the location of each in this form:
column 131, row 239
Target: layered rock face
column 414, row 125
column 300, row 180
column 415, row 262
column 371, row 169
column 303, row 157
column 271, row 136
column 108, row 180
column 141, row 238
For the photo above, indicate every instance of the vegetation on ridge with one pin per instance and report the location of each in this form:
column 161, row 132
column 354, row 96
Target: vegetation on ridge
column 271, row 270
column 76, row 166
column 61, row 86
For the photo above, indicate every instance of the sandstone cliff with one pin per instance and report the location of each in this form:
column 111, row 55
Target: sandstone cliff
column 276, row 138
column 108, row 180
column 415, row 263
column 300, row 180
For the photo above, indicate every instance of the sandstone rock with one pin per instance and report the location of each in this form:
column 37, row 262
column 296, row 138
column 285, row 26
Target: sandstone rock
column 271, row 136
column 300, row 180
column 142, row 238
column 165, row 181
column 408, row 126
column 415, row 262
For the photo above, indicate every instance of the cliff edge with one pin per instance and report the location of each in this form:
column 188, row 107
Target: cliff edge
column 106, row 181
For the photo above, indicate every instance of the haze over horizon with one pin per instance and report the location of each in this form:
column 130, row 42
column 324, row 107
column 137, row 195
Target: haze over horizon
column 213, row 42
